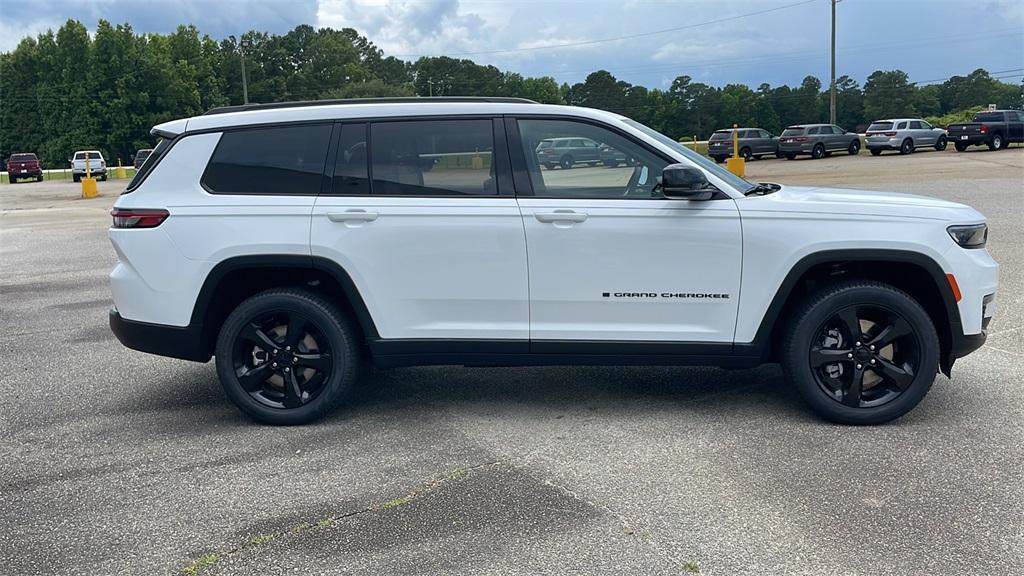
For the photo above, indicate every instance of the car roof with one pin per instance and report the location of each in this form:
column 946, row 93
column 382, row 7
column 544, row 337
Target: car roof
column 84, row 151
column 899, row 120
column 366, row 109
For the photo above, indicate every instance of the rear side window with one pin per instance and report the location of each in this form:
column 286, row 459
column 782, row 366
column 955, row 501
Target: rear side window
column 351, row 174
column 151, row 160
column 793, row 131
column 988, row 117
column 432, row 158
column 901, row 126
column 288, row 160
column 813, row 130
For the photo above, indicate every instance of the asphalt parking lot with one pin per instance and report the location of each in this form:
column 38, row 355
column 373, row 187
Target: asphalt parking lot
column 116, row 462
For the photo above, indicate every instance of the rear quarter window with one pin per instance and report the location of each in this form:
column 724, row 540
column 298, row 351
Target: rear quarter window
column 287, row 160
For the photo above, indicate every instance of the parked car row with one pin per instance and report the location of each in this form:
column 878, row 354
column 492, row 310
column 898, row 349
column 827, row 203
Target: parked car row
column 996, row 129
column 26, row 165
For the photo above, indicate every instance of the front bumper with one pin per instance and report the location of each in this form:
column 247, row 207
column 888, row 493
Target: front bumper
column 186, row 343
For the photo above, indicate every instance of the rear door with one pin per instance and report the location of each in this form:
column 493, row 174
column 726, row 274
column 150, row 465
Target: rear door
column 1015, row 120
column 610, row 259
column 421, row 215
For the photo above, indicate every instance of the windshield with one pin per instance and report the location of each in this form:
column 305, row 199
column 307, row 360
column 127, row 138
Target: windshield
column 880, row 126
column 739, row 184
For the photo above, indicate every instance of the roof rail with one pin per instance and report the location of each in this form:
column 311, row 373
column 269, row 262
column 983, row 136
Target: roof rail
column 407, row 99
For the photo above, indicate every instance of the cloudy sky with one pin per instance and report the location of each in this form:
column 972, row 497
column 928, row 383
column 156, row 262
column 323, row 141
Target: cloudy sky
column 644, row 42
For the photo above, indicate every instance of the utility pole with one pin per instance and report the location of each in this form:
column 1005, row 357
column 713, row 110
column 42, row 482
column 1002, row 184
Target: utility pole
column 832, row 95
column 430, row 82
column 245, row 86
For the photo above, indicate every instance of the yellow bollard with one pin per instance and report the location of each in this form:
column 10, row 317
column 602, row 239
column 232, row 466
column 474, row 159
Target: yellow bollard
column 735, row 164
column 119, row 171
column 88, row 183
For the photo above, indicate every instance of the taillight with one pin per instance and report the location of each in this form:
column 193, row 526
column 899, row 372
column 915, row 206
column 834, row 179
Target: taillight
column 800, row 139
column 889, row 134
column 984, row 129
column 141, row 218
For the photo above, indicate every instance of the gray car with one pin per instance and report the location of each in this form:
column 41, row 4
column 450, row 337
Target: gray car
column 903, row 134
column 753, row 143
column 817, row 140
column 567, row 152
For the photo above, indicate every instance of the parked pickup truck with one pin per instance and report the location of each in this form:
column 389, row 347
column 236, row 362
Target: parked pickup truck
column 997, row 129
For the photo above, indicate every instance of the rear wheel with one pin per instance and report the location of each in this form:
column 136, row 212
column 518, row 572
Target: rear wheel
column 39, row 178
column 959, row 147
column 818, row 152
column 790, row 156
column 13, row 179
column 876, row 151
column 907, row 146
column 861, row 352
column 745, row 153
column 611, row 163
column 996, row 142
column 103, row 177
column 549, row 165
column 719, row 159
column 854, row 148
column 940, row 144
column 287, row 356
column 76, row 177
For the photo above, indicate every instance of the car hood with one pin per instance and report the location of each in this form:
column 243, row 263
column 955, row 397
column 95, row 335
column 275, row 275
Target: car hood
column 832, row 201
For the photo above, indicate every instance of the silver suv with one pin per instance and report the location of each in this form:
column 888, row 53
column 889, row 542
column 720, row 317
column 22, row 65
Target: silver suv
column 903, row 134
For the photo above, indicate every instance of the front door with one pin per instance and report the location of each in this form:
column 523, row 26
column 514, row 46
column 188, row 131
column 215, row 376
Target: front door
column 610, row 259
column 424, row 223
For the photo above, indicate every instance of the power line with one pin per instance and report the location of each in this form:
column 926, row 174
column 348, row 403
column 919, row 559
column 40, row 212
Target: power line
column 617, row 38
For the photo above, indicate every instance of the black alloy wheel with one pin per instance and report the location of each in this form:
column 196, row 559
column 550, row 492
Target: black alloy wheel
column 907, row 146
column 854, row 148
column 818, row 152
column 865, row 356
column 282, row 359
column 940, row 144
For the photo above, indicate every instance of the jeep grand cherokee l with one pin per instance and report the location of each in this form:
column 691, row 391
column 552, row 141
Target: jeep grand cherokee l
column 299, row 242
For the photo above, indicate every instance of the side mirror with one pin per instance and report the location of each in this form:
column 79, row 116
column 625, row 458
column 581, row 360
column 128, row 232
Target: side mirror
column 682, row 182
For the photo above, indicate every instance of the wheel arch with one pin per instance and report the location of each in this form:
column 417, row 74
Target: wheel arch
column 235, row 279
column 917, row 274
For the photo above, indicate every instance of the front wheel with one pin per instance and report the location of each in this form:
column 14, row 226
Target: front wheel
column 287, row 356
column 566, row 162
column 854, row 148
column 861, row 352
column 940, row 144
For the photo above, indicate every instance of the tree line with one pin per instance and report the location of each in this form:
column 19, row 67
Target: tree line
column 65, row 91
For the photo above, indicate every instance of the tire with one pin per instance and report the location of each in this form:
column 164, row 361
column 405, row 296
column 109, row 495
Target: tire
column 959, row 147
column 566, row 162
column 39, row 178
column 1006, row 144
column 854, row 148
column 103, row 178
column 549, row 166
column 12, row 179
column 995, row 142
column 875, row 151
column 76, row 177
column 328, row 377
column 818, row 152
column 941, row 143
column 611, row 163
column 745, row 154
column 718, row 159
column 821, row 331
column 907, row 146
column 790, row 156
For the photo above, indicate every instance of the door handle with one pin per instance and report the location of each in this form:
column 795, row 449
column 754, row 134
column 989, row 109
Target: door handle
column 560, row 216
column 352, row 216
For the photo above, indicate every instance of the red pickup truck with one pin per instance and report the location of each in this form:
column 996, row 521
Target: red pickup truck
column 24, row 165
column 996, row 129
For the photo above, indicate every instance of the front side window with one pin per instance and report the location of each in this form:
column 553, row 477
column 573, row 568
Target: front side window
column 433, row 158
column 625, row 170
column 287, row 160
column 915, row 125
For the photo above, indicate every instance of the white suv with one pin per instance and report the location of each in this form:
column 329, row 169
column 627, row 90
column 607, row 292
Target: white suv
column 298, row 242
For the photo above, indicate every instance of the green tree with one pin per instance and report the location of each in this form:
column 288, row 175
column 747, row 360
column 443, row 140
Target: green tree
column 889, row 94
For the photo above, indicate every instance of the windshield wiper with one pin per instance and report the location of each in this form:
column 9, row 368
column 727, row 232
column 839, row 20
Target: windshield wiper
column 760, row 189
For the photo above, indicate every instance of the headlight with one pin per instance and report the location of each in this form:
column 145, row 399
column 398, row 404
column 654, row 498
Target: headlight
column 970, row 236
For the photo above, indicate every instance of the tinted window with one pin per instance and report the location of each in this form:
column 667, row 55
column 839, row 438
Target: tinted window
column 22, row 157
column 793, row 131
column 813, row 130
column 988, row 117
column 764, row 134
column 880, row 127
column 142, row 154
column 433, row 157
column 915, row 125
column 721, row 135
column 152, row 157
column 287, row 160
column 901, row 126
column 350, row 168
column 630, row 172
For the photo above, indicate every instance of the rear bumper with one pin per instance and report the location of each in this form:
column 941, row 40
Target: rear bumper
column 968, row 138
column 185, row 343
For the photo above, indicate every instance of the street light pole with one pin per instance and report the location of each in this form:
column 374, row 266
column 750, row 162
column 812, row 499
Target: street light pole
column 832, row 95
column 245, row 86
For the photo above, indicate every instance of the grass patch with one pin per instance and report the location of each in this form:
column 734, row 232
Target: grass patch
column 260, row 539
column 325, row 522
column 397, row 502
column 691, row 568
column 204, row 561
